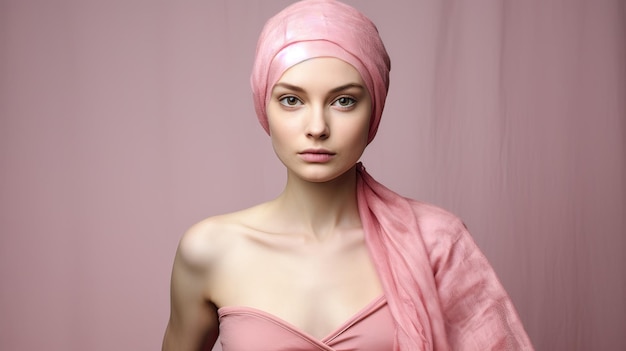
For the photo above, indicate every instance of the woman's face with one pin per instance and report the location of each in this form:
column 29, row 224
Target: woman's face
column 319, row 113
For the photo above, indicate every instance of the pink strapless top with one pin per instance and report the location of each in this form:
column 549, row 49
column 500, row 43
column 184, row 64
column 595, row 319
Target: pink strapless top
column 249, row 329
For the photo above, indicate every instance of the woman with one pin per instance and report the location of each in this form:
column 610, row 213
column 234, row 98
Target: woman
column 337, row 261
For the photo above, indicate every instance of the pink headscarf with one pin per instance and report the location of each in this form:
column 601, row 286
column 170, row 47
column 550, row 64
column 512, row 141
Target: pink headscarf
column 327, row 28
column 320, row 28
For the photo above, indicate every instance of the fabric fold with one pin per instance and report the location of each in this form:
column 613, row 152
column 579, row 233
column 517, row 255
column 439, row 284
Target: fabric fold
column 402, row 263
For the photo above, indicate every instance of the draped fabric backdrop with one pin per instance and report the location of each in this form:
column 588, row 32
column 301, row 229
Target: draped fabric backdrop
column 124, row 122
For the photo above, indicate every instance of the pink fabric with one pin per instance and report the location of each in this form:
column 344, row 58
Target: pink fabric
column 320, row 28
column 249, row 329
column 441, row 290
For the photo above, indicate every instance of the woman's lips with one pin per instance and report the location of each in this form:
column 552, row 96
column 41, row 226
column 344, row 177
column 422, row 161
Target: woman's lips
column 316, row 156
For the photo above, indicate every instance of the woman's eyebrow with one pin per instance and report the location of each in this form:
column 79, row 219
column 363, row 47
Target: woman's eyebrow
column 289, row 86
column 334, row 90
column 346, row 87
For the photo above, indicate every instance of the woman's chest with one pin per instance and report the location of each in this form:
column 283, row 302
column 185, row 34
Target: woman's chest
column 315, row 292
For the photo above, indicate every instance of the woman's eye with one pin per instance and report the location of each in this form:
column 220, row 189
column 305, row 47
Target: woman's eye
column 344, row 101
column 290, row 101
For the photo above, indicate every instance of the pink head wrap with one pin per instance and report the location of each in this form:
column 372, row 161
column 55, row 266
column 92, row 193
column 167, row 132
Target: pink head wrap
column 320, row 28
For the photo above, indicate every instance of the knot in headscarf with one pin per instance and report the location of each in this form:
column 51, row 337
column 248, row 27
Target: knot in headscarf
column 320, row 28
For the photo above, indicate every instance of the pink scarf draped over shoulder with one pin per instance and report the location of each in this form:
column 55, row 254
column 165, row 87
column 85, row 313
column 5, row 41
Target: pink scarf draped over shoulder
column 441, row 290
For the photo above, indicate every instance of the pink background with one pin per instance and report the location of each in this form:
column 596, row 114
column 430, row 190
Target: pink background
column 124, row 122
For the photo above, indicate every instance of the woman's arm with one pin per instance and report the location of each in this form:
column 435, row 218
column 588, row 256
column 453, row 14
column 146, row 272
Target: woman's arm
column 193, row 323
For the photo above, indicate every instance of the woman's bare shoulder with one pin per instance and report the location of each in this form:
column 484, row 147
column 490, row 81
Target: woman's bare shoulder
column 206, row 240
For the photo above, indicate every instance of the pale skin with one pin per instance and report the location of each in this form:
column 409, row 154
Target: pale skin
column 302, row 256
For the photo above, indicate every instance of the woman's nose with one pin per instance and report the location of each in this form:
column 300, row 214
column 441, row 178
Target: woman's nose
column 317, row 124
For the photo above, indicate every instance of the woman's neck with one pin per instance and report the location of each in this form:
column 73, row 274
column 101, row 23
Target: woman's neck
column 319, row 210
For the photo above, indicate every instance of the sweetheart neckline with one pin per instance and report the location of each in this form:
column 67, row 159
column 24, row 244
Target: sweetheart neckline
column 369, row 308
